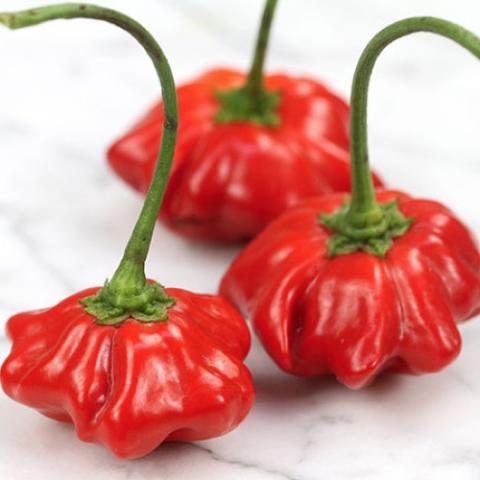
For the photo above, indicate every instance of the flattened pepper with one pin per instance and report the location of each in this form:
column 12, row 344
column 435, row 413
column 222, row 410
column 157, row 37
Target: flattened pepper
column 356, row 287
column 132, row 364
column 249, row 148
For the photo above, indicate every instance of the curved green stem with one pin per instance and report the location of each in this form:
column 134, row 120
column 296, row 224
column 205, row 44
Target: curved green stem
column 364, row 224
column 252, row 102
column 128, row 293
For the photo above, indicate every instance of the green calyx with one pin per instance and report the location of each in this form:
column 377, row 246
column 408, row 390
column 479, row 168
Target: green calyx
column 252, row 102
column 373, row 235
column 147, row 304
column 240, row 105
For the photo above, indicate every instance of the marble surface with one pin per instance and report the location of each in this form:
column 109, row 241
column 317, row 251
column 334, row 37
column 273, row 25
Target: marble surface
column 69, row 89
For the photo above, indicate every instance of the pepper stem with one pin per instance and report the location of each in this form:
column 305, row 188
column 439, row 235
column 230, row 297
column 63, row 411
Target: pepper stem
column 254, row 82
column 252, row 102
column 128, row 294
column 364, row 224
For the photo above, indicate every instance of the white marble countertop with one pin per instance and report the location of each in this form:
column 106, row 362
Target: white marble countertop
column 69, row 89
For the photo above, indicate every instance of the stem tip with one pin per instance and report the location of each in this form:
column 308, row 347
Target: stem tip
column 8, row 20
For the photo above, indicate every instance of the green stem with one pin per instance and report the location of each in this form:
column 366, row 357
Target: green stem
column 254, row 83
column 252, row 102
column 365, row 224
column 128, row 293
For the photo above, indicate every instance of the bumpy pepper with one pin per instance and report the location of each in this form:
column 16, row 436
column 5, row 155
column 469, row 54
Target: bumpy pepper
column 359, row 286
column 249, row 148
column 132, row 364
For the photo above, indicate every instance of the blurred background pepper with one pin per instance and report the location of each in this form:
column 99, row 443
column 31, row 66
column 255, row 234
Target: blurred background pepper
column 249, row 148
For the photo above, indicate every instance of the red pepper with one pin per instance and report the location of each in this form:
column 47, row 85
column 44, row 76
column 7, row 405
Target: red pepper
column 134, row 386
column 132, row 364
column 358, row 288
column 249, row 148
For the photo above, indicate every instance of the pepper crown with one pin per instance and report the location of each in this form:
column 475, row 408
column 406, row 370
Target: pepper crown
column 128, row 294
column 252, row 102
column 240, row 105
column 374, row 236
column 363, row 223
column 110, row 306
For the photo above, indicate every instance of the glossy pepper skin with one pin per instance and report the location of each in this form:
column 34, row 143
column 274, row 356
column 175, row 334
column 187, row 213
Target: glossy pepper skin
column 356, row 315
column 134, row 386
column 229, row 180
column 132, row 364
